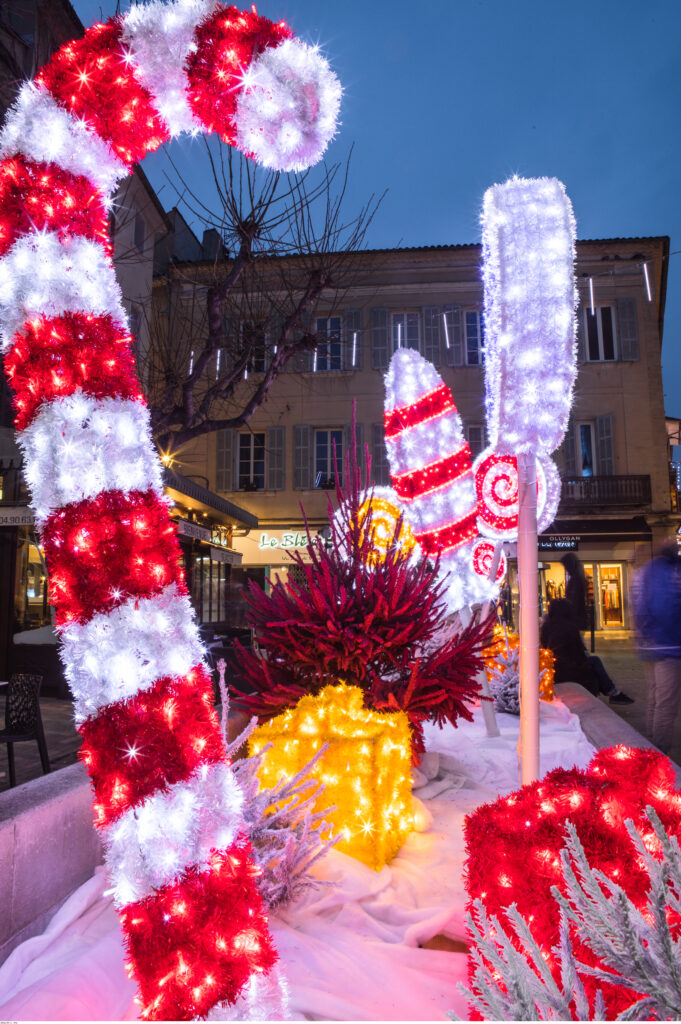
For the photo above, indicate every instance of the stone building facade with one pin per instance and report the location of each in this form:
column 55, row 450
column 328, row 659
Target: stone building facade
column 615, row 504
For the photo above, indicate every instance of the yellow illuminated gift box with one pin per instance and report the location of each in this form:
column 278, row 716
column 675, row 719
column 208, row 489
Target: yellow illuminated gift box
column 366, row 768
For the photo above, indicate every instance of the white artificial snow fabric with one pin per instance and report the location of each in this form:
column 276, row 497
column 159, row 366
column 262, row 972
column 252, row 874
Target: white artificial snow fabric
column 350, row 951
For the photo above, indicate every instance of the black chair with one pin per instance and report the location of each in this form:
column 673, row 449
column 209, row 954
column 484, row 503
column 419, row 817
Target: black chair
column 23, row 720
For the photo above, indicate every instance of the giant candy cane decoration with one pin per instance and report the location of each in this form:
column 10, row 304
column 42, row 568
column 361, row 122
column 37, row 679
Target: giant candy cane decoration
column 165, row 798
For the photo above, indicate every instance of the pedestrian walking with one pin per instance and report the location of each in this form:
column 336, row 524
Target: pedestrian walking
column 657, row 614
column 560, row 633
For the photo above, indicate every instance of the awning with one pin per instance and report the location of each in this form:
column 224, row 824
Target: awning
column 612, row 530
column 193, row 495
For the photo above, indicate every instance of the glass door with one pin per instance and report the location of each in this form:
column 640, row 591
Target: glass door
column 611, row 596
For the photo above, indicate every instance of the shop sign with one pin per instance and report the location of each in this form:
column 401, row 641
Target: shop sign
column 230, row 557
column 288, row 540
column 559, row 543
column 188, row 529
column 219, row 536
column 16, row 516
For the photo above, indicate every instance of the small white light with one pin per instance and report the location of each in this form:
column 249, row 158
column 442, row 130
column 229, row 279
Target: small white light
column 354, row 348
column 591, row 296
column 647, row 278
column 399, row 335
column 191, row 362
column 314, row 362
column 444, row 321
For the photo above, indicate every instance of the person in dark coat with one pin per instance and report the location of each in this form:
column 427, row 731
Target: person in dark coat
column 575, row 588
column 656, row 595
column 560, row 633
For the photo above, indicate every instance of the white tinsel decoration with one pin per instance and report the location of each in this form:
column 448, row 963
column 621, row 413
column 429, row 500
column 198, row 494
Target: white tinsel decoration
column 78, row 445
column 638, row 949
column 37, row 127
column 287, row 110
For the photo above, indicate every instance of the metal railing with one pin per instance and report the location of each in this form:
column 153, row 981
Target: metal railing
column 589, row 491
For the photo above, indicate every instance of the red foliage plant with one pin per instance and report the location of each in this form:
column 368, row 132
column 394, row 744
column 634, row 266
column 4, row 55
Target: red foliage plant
column 375, row 623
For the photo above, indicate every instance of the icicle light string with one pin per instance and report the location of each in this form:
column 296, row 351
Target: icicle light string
column 167, row 805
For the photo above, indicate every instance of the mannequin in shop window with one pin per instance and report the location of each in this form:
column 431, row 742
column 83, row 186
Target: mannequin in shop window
column 560, row 633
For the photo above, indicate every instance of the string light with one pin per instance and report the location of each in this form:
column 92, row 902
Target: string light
column 372, row 800
column 647, row 280
column 446, row 327
column 591, row 296
column 354, row 348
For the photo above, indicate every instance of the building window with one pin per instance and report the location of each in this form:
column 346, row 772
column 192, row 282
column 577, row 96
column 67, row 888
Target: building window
column 600, row 334
column 474, row 338
column 404, row 330
column 328, row 455
column 329, row 352
column 586, row 450
column 254, row 344
column 139, row 232
column 475, row 435
column 251, row 462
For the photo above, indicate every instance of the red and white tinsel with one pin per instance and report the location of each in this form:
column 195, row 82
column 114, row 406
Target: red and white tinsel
column 430, row 469
column 165, row 798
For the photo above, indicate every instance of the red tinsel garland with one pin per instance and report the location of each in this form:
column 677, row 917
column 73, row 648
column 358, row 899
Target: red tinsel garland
column 204, row 935
column 146, row 744
column 513, row 845
column 43, row 197
column 417, row 483
column 94, row 79
column 429, row 407
column 446, row 538
column 55, row 356
column 226, row 43
column 104, row 550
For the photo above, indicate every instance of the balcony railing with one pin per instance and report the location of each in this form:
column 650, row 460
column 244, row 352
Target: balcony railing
column 582, row 492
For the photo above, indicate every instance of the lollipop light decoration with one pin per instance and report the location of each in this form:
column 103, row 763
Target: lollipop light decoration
column 165, row 799
column 528, row 244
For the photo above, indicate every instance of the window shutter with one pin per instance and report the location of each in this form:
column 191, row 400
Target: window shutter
column 380, row 468
column 581, row 337
column 224, row 451
column 301, row 457
column 347, row 442
column 302, row 361
column 569, row 451
column 352, row 325
column 276, row 458
column 380, row 353
column 453, row 354
column 606, row 456
column 432, row 349
column 627, row 329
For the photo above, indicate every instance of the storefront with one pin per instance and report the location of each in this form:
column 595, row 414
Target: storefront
column 266, row 557
column 28, row 642
column 206, row 524
column 609, row 549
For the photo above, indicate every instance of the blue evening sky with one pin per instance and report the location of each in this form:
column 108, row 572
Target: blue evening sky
column 446, row 97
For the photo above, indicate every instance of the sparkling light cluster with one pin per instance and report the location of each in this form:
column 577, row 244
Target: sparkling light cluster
column 366, row 769
column 430, row 468
column 528, row 242
column 496, row 658
column 165, row 798
column 513, row 845
column 497, row 488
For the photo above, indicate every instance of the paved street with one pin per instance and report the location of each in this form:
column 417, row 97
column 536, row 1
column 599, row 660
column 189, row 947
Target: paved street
column 63, row 741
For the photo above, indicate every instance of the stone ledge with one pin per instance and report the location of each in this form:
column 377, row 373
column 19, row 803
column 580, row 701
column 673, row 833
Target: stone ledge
column 48, row 848
column 602, row 726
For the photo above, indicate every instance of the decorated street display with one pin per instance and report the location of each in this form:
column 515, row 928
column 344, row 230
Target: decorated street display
column 502, row 668
column 528, row 242
column 166, row 801
column 431, row 473
column 365, row 767
column 515, row 867
column 364, row 615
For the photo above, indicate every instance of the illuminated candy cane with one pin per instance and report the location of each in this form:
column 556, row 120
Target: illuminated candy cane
column 165, row 798
column 530, row 351
column 430, row 469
